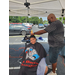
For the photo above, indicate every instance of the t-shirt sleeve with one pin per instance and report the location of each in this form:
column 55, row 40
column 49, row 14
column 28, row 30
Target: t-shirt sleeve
column 50, row 28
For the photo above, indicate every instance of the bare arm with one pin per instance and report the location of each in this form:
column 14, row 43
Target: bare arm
column 39, row 32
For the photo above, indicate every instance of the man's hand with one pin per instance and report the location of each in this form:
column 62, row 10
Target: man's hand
column 39, row 32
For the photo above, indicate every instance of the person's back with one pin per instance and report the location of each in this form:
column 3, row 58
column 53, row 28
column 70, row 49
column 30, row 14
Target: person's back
column 33, row 53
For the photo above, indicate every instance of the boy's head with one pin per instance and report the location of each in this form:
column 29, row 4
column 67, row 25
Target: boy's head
column 32, row 39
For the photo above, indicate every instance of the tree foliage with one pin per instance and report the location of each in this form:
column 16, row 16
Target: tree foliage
column 34, row 20
column 20, row 19
column 62, row 19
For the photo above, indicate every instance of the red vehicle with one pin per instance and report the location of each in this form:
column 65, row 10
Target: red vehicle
column 15, row 23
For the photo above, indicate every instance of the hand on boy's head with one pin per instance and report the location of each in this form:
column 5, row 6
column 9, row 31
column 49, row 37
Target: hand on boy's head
column 32, row 33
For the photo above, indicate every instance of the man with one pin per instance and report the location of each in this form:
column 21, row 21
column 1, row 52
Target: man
column 55, row 39
column 33, row 62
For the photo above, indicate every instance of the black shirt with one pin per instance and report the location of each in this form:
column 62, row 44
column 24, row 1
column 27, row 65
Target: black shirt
column 55, row 34
column 33, row 53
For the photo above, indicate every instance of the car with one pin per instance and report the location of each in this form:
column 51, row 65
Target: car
column 27, row 27
column 40, row 26
column 19, row 29
column 31, row 24
column 45, row 25
column 27, row 24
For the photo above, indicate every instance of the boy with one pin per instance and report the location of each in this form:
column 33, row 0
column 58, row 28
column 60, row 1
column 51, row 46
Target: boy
column 33, row 62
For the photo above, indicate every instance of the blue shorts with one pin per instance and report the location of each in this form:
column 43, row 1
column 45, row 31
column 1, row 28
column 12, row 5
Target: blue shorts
column 53, row 53
column 41, row 67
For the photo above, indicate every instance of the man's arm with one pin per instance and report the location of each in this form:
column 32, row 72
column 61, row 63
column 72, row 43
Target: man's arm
column 39, row 32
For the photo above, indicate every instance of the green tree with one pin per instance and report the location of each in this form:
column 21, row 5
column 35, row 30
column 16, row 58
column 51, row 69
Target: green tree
column 34, row 20
column 60, row 18
column 45, row 22
column 13, row 19
column 24, row 19
column 63, row 20
column 41, row 21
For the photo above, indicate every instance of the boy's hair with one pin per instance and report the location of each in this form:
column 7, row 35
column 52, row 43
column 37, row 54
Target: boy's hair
column 32, row 36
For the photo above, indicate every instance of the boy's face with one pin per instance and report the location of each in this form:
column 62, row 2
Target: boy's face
column 33, row 40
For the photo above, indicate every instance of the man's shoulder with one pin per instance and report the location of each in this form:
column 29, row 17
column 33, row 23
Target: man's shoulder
column 58, row 21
